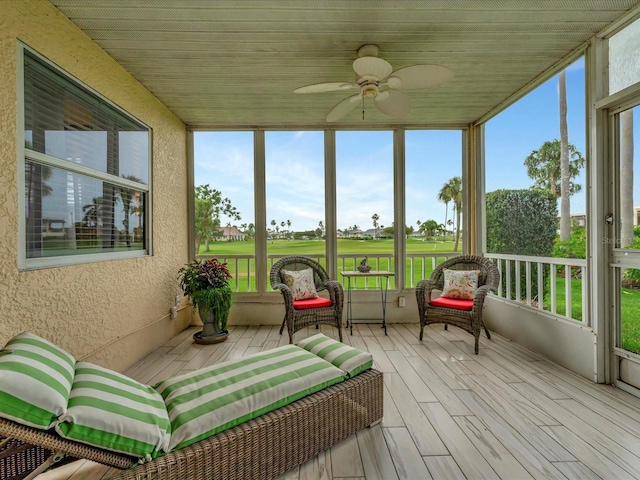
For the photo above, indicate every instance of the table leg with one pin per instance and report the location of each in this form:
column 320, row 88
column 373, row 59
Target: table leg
column 349, row 315
column 383, row 292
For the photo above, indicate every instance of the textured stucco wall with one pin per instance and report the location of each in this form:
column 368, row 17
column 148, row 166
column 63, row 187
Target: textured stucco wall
column 110, row 312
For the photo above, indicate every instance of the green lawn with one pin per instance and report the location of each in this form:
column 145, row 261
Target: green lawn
column 629, row 308
column 561, row 304
column 630, row 329
column 317, row 247
column 314, row 248
column 53, row 247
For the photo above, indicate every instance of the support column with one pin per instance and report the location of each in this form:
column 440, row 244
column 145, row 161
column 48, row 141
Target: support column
column 399, row 217
column 260, row 205
column 469, row 188
column 331, row 224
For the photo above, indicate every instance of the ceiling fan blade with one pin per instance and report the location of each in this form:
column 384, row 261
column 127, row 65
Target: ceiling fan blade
column 326, row 87
column 372, row 66
column 418, row 77
column 343, row 107
column 393, row 103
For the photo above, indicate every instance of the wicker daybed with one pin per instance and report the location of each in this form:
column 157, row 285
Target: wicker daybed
column 261, row 448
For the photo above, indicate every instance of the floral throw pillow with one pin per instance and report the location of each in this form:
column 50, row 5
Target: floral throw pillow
column 460, row 284
column 301, row 283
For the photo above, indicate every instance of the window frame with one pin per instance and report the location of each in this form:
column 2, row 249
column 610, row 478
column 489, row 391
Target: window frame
column 331, row 254
column 24, row 155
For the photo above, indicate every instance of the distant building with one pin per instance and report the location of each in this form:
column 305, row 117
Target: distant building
column 375, row 233
column 352, row 233
column 231, row 234
column 579, row 218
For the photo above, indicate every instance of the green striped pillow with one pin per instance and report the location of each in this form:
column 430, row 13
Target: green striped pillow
column 348, row 359
column 35, row 380
column 207, row 401
column 111, row 411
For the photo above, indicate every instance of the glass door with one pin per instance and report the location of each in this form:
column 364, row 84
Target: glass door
column 625, row 248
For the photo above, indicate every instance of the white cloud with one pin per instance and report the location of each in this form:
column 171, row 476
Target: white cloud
column 295, row 175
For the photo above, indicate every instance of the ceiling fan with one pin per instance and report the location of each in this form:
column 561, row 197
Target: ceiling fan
column 376, row 80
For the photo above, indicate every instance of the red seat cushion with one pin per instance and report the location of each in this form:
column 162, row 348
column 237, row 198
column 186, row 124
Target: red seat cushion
column 451, row 303
column 311, row 303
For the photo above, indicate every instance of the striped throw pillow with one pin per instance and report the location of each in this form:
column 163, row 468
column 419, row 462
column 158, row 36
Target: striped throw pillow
column 348, row 359
column 207, row 401
column 111, row 411
column 35, row 380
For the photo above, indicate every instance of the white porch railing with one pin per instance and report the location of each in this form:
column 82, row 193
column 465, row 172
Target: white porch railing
column 557, row 282
column 558, row 295
column 418, row 266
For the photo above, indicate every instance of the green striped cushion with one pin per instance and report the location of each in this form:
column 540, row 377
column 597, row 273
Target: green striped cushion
column 207, row 401
column 111, row 411
column 35, row 380
column 348, row 359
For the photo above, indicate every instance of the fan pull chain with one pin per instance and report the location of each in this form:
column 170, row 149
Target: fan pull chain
column 363, row 107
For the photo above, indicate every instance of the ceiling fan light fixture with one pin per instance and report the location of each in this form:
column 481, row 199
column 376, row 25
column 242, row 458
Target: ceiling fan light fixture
column 369, row 91
column 373, row 66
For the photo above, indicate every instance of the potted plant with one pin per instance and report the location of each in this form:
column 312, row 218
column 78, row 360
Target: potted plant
column 207, row 284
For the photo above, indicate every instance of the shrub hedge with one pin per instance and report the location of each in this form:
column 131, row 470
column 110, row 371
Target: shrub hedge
column 522, row 222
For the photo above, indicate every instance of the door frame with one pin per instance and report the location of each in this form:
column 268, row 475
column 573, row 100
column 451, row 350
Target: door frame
column 617, row 257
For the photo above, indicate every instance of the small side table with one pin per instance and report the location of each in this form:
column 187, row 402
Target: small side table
column 383, row 292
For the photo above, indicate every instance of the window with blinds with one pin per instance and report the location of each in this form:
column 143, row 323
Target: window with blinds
column 86, row 172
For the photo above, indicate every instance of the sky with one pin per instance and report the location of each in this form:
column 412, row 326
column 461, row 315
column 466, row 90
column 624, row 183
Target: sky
column 525, row 126
column 364, row 163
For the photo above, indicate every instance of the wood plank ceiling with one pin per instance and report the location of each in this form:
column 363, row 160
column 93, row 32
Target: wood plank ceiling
column 235, row 63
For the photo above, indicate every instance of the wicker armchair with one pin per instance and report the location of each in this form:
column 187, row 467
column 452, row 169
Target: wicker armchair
column 469, row 320
column 297, row 314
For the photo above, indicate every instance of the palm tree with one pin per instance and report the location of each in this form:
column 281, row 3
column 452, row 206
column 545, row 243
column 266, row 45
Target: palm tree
column 543, row 167
column 36, row 188
column 565, row 174
column 429, row 228
column 453, row 191
column 444, row 196
column 138, row 210
column 375, row 217
column 126, row 196
column 273, row 225
column 93, row 212
column 289, row 227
